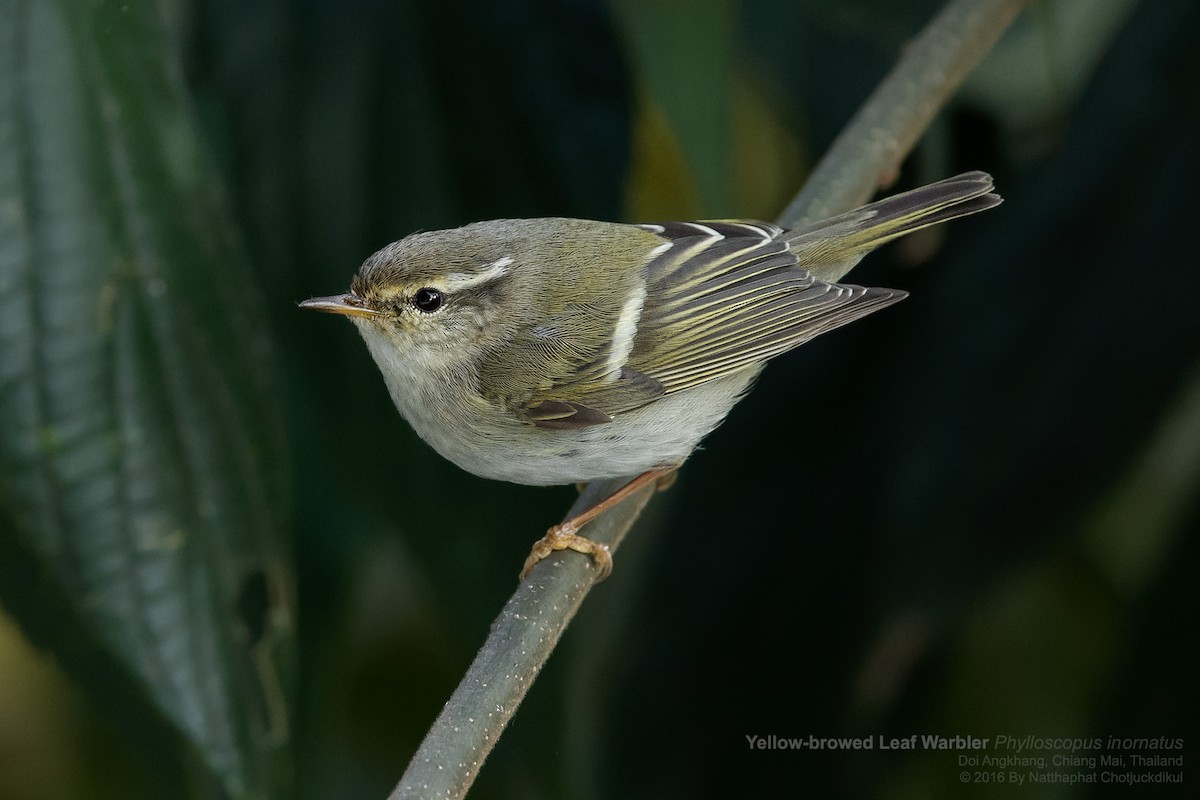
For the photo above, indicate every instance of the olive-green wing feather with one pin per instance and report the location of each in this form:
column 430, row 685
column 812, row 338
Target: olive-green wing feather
column 728, row 295
column 581, row 380
column 720, row 297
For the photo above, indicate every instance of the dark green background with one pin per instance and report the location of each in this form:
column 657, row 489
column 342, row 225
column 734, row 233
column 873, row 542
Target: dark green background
column 973, row 513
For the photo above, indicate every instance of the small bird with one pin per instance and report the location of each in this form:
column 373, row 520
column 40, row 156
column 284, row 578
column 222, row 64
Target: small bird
column 553, row 351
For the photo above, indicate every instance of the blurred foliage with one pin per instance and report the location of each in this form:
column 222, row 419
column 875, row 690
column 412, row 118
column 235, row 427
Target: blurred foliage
column 143, row 476
column 977, row 515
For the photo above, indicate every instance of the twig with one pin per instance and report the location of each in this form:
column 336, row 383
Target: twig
column 520, row 642
column 533, row 620
column 867, row 154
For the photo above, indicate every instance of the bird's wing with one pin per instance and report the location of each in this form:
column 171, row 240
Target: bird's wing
column 718, row 297
column 567, row 371
column 727, row 295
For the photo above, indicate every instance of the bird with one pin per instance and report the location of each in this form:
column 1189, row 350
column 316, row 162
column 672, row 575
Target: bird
column 555, row 350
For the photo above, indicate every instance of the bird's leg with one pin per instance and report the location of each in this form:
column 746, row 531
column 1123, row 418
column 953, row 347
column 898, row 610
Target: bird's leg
column 564, row 536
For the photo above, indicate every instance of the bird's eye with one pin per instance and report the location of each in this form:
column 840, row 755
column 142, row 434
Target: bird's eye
column 428, row 300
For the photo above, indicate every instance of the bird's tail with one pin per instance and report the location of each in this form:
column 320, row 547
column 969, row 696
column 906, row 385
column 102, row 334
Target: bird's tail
column 846, row 238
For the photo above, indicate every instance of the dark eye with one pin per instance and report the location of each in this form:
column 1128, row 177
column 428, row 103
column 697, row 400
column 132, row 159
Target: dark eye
column 428, row 300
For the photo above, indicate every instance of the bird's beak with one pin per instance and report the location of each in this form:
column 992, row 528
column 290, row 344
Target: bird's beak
column 350, row 305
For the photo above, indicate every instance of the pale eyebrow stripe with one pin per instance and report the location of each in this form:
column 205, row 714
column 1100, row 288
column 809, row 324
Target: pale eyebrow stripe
column 624, row 333
column 458, row 281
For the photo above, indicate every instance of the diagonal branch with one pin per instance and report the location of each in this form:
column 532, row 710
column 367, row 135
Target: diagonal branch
column 868, row 151
column 867, row 154
column 519, row 643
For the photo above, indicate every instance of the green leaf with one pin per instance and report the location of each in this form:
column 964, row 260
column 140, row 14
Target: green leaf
column 142, row 480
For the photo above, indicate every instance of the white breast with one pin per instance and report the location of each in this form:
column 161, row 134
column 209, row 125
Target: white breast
column 490, row 442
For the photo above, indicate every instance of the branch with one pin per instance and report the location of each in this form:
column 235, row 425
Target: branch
column 527, row 630
column 867, row 154
column 520, row 642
